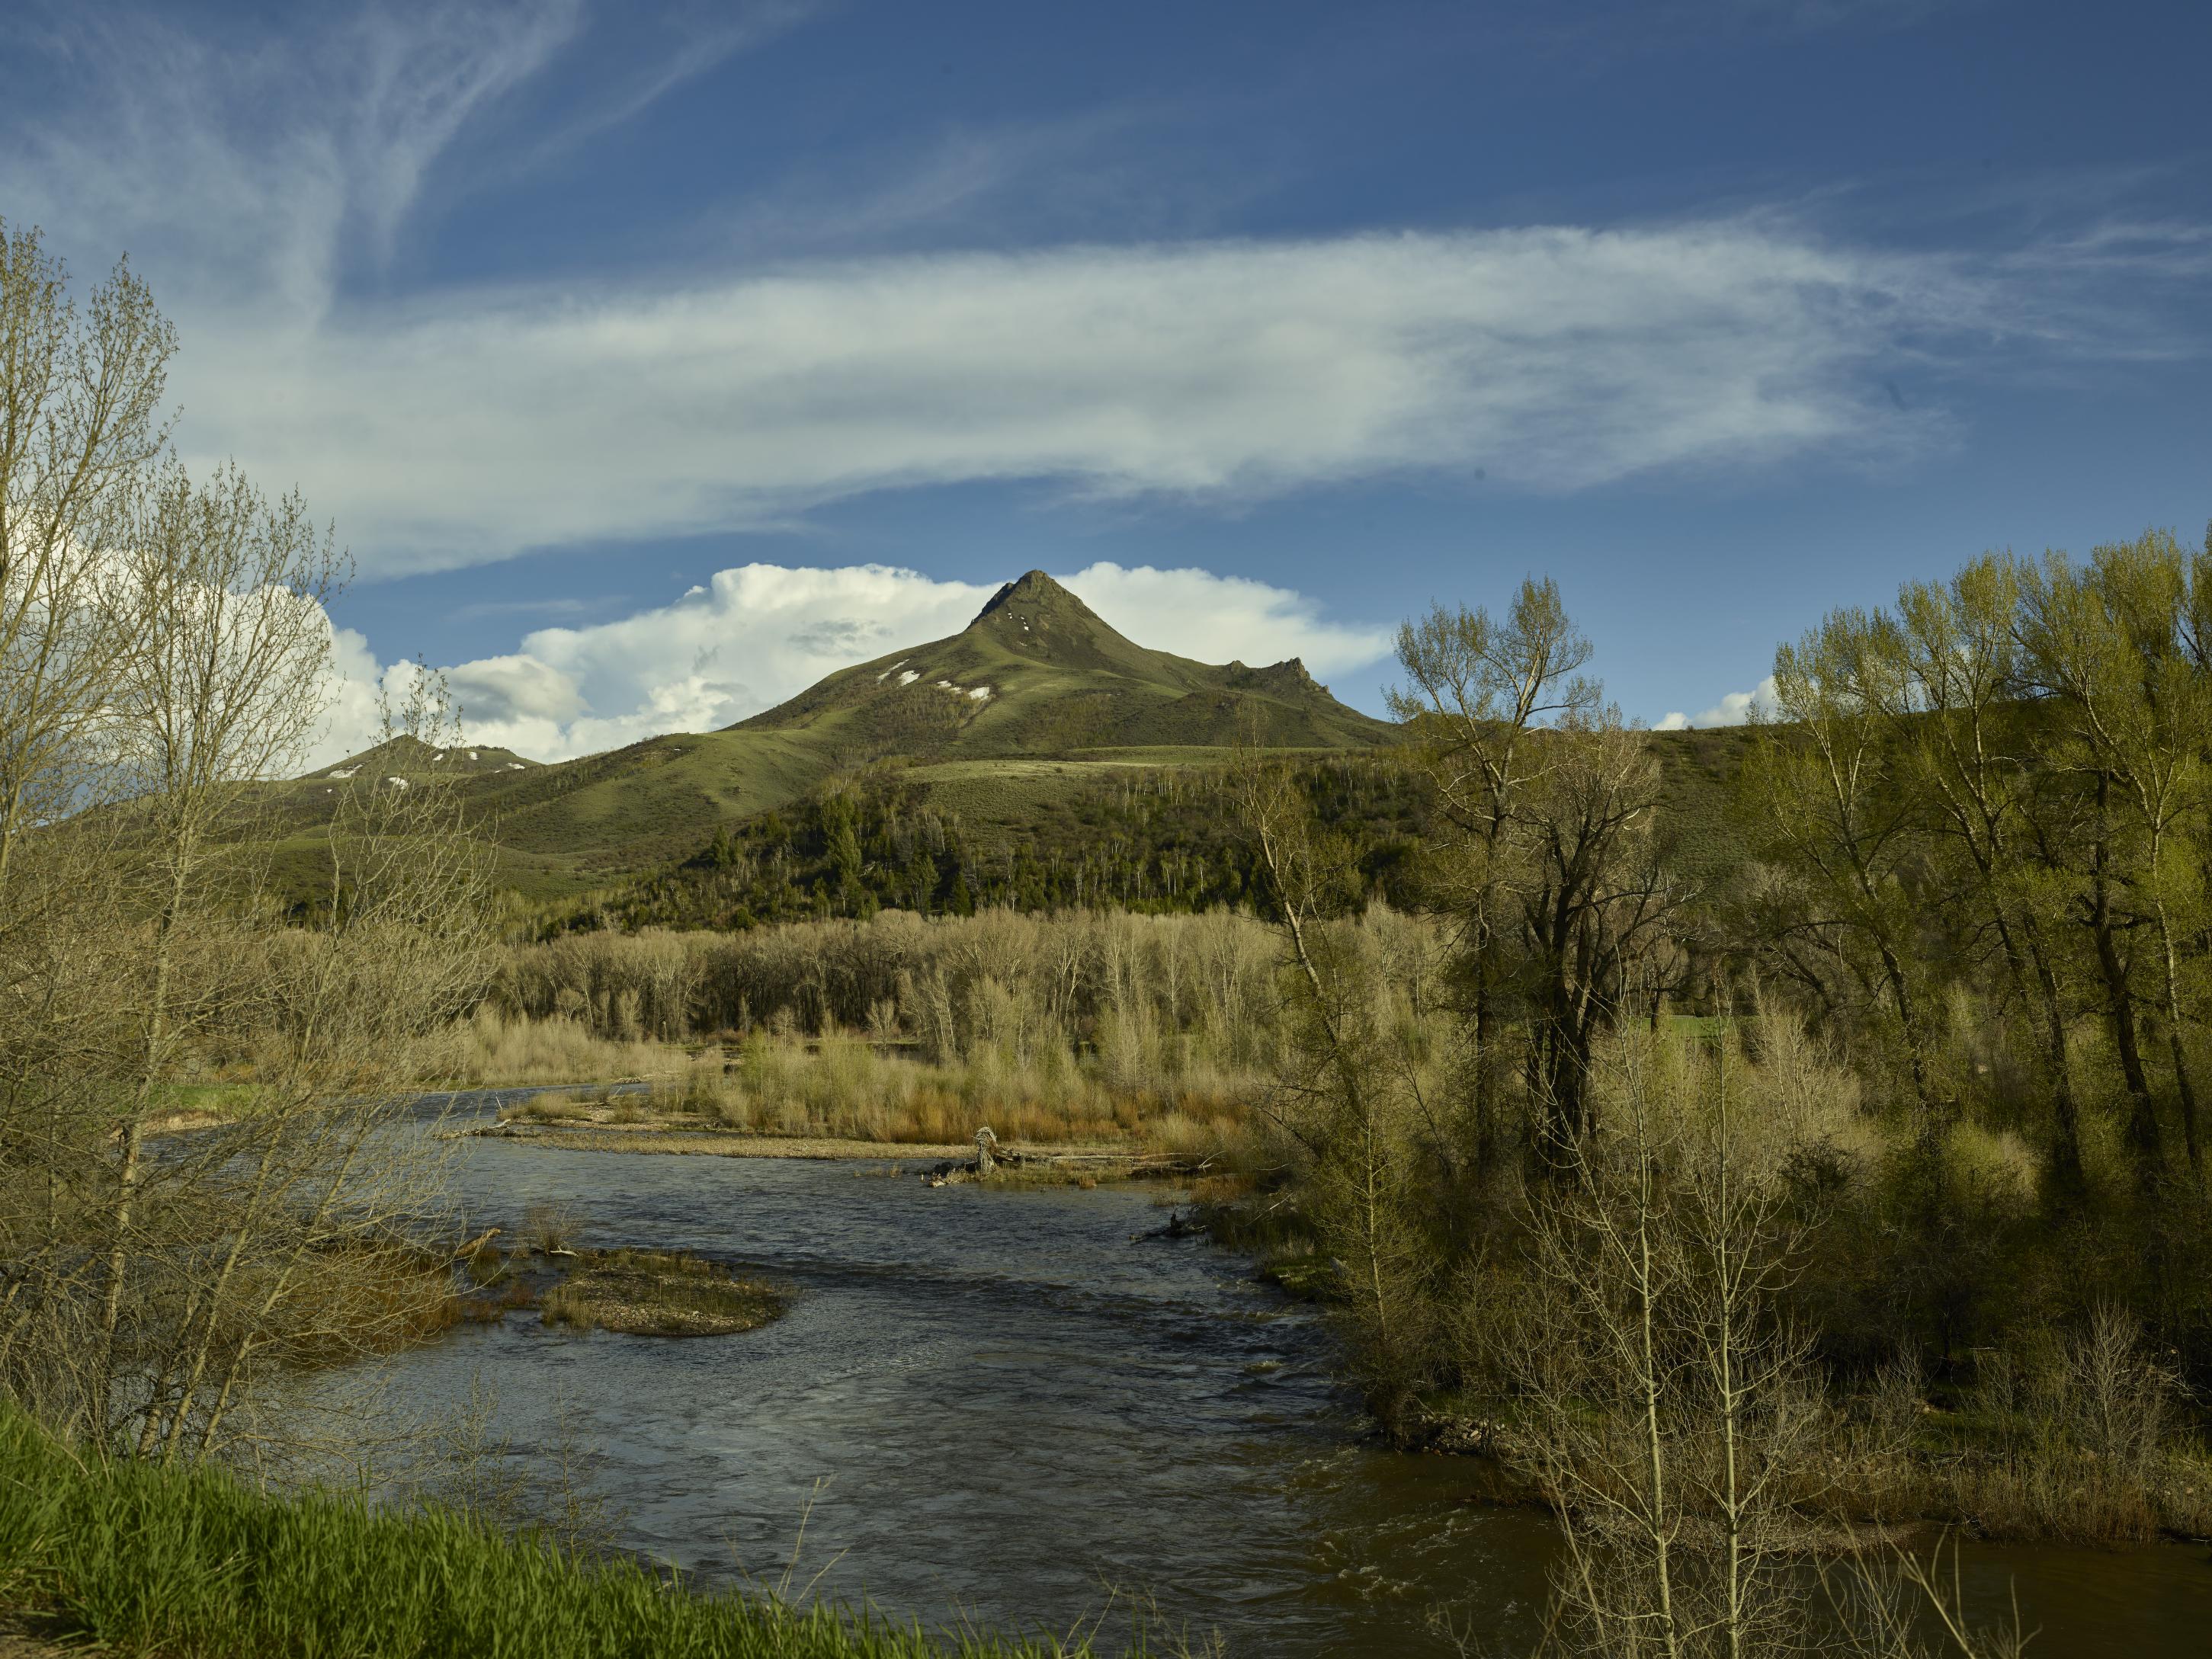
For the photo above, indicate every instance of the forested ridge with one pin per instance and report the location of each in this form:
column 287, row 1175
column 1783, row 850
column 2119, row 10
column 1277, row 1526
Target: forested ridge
column 1152, row 839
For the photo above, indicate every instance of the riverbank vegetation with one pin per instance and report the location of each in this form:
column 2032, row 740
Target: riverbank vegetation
column 138, row 1557
column 1909, row 1218
column 1094, row 1027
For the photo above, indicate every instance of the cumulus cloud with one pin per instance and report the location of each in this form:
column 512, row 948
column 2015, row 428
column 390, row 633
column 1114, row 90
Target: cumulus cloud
column 1736, row 708
column 761, row 633
column 1211, row 618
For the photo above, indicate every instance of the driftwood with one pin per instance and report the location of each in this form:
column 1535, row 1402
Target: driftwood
column 476, row 1243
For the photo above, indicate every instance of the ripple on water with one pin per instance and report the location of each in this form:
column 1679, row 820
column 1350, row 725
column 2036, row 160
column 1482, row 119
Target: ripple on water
column 1011, row 1409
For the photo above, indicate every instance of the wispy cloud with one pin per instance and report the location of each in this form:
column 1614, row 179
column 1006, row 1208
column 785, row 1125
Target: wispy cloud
column 472, row 427
column 454, row 426
column 548, row 607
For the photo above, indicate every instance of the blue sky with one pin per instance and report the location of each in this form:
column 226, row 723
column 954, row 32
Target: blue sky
column 621, row 342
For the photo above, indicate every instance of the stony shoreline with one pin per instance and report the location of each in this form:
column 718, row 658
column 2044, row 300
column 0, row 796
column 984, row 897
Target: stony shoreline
column 712, row 1143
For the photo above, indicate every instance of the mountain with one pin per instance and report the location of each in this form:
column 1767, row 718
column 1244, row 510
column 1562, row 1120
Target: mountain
column 1039, row 672
column 406, row 758
column 1035, row 700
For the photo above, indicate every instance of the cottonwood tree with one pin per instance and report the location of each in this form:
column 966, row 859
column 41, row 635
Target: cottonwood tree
column 81, row 423
column 1478, row 693
column 1547, row 869
column 223, row 593
column 1670, row 1413
column 79, row 427
column 1852, row 841
column 1949, row 690
column 1593, row 907
column 2117, row 652
column 293, row 1248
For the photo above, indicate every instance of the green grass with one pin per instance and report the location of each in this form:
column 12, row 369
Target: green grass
column 190, row 1563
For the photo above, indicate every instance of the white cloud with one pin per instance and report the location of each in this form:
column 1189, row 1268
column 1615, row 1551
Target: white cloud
column 1733, row 709
column 473, row 425
column 1210, row 618
column 458, row 425
column 759, row 634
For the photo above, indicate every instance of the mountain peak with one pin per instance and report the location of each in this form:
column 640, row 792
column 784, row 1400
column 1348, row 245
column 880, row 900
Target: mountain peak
column 1036, row 589
column 1037, row 619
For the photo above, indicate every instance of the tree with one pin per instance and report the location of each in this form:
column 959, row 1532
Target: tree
column 1671, row 1410
column 1672, row 1414
column 1852, row 838
column 163, row 653
column 1949, row 691
column 1479, row 692
column 1593, row 903
column 1352, row 1096
column 2116, row 651
column 80, row 426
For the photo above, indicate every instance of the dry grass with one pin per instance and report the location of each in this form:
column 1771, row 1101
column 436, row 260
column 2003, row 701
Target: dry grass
column 658, row 1293
column 495, row 1050
column 847, row 1091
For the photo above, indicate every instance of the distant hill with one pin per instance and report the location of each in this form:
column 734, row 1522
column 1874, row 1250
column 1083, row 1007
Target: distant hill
column 408, row 757
column 1035, row 701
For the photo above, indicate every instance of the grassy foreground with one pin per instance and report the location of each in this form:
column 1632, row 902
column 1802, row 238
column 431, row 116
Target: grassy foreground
column 189, row 1561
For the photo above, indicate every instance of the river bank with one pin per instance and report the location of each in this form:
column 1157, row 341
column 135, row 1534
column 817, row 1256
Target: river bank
column 1030, row 1404
column 708, row 1143
column 134, row 1557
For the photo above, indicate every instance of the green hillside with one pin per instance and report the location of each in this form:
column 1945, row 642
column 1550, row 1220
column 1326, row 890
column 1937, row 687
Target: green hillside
column 1042, row 757
column 1035, row 701
column 1038, row 672
column 1154, row 829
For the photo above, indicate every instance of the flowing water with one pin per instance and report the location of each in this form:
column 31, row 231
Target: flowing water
column 1006, row 1408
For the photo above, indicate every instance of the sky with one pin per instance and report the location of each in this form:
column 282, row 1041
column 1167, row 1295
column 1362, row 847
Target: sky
column 653, row 361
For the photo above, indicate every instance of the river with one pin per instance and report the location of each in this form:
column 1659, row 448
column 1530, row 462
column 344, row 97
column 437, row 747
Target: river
column 1007, row 1408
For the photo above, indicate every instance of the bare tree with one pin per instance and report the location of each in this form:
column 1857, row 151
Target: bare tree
column 164, row 649
column 80, row 426
column 1671, row 1410
column 222, row 594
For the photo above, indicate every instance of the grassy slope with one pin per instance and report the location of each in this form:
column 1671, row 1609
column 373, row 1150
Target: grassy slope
column 1072, row 704
column 1064, row 688
column 141, row 1560
column 1698, row 817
